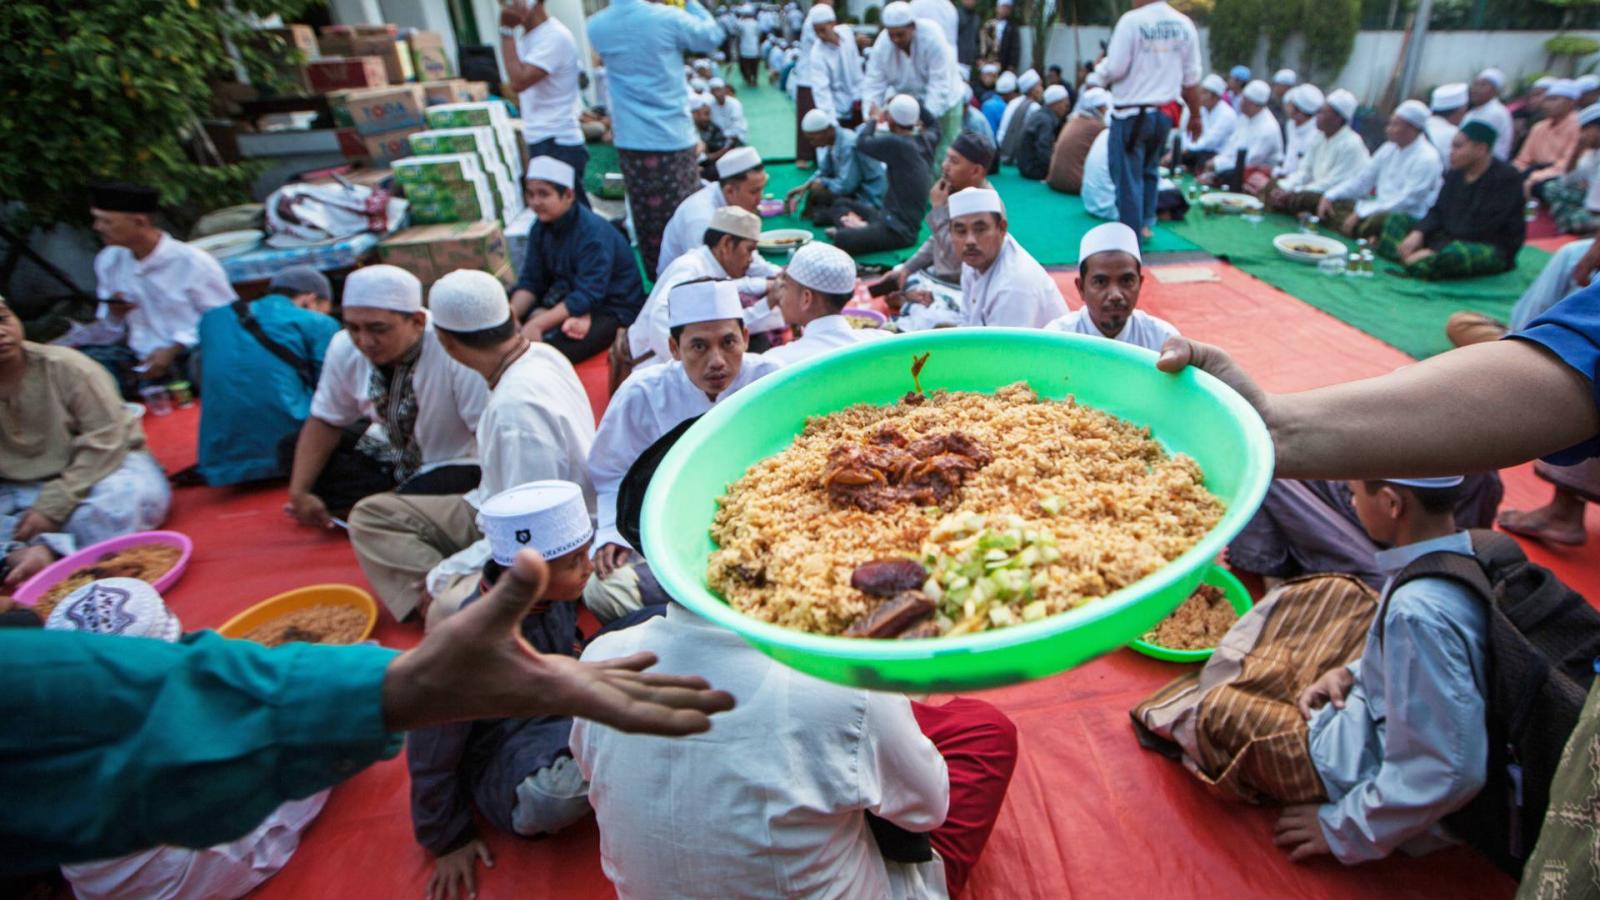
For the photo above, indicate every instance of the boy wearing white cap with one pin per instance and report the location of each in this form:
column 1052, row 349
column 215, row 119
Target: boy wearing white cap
column 727, row 252
column 707, row 341
column 1257, row 135
column 1552, row 143
column 132, row 608
column 1334, row 159
column 1483, row 95
column 1001, row 284
column 741, row 177
column 1449, row 107
column 386, row 368
column 517, row 773
column 1403, row 178
column 1110, row 276
column 1218, row 118
column 816, row 285
column 912, row 56
column 833, row 63
column 727, row 112
column 1039, row 132
column 1574, row 198
column 906, row 149
column 844, row 176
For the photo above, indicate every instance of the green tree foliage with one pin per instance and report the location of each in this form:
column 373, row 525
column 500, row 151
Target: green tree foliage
column 1328, row 28
column 113, row 89
column 1235, row 26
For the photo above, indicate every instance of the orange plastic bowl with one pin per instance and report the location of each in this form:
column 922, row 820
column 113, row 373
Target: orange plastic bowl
column 302, row 598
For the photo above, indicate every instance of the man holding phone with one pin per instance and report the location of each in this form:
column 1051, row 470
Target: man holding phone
column 542, row 67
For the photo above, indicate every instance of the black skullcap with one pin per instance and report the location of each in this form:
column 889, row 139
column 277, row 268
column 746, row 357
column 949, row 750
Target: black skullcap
column 121, row 196
column 975, row 147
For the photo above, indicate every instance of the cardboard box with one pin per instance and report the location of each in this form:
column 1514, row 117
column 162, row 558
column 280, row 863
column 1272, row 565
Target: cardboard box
column 389, row 146
column 428, row 56
column 477, row 90
column 403, row 249
column 297, row 37
column 396, row 55
column 450, row 90
column 431, row 251
column 352, row 72
column 350, row 143
column 383, row 110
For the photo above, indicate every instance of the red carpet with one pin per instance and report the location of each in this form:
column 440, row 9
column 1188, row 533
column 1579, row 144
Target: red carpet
column 1089, row 815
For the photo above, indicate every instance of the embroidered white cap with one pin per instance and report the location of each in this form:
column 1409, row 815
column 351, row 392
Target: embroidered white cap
column 823, row 267
column 468, row 300
column 1214, row 84
column 738, row 222
column 699, row 101
column 1028, row 80
column 1055, row 93
column 738, row 161
column 1308, row 97
column 382, row 287
column 1006, row 83
column 1413, row 112
column 1448, row 97
column 1493, row 76
column 822, row 14
column 1108, row 237
column 1285, row 77
column 124, row 606
column 1257, row 92
column 904, row 110
column 1344, row 103
column 1448, row 481
column 896, row 15
column 703, row 301
column 975, row 200
column 816, row 120
column 547, row 516
column 548, row 168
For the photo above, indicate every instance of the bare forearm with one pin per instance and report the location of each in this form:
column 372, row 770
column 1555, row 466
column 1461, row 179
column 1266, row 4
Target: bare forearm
column 317, row 442
column 550, row 318
column 1191, row 99
column 521, row 75
column 521, row 302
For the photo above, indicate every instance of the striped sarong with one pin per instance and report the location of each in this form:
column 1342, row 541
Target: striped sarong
column 1234, row 723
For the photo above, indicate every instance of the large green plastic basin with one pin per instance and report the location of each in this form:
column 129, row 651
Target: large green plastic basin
column 1191, row 413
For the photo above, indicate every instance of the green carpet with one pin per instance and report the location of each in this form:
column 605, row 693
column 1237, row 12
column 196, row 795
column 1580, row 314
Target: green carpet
column 1405, row 313
column 1048, row 224
column 602, row 159
column 769, row 114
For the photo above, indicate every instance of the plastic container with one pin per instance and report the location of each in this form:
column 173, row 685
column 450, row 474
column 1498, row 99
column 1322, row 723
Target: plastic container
column 47, row 578
column 157, row 400
column 301, row 598
column 1191, row 412
column 1238, row 597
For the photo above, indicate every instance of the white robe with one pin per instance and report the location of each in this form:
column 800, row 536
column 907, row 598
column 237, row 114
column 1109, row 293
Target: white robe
column 821, row 336
column 1297, row 142
column 1016, row 291
column 1258, row 136
column 1099, row 191
column 1216, row 127
column 170, row 289
column 835, row 73
column 649, row 404
column 1407, row 181
column 729, row 116
column 1441, row 133
column 927, row 73
column 687, row 227
column 1141, row 329
column 1330, row 161
column 650, row 331
column 1495, row 115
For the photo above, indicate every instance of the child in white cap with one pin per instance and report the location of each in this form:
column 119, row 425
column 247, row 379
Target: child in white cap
column 817, row 284
column 1110, row 277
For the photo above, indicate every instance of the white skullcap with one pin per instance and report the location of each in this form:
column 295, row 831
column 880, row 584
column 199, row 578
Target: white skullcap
column 1343, row 103
column 1257, row 92
column 1214, row 84
column 896, row 14
column 698, row 85
column 1108, row 237
column 548, row 516
column 1308, row 97
column 382, row 287
column 1589, row 115
column 741, row 223
column 699, row 101
column 1493, row 76
column 972, row 200
column 1448, row 481
column 1543, row 83
column 1448, row 97
column 1587, row 83
column 702, row 64
column 738, row 161
column 716, row 83
column 904, row 110
column 1563, row 88
column 990, row 68
column 1006, row 83
column 1095, row 80
column 548, row 168
column 1285, row 77
column 1055, row 93
column 1413, row 112
column 816, row 120
column 1028, row 80
column 1094, row 98
column 823, row 267
column 703, row 301
column 822, row 14
column 468, row 300
column 124, row 606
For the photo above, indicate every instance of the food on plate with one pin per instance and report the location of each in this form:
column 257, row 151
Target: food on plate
column 952, row 513
column 325, row 623
column 1308, row 249
column 146, row 562
column 1198, row 624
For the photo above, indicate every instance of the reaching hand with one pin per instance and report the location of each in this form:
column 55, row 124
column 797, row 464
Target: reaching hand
column 28, row 562
column 1180, row 352
column 1299, row 833
column 576, row 327
column 32, row 524
column 157, row 364
column 476, row 665
column 610, row 558
column 1330, row 688
column 308, row 510
column 455, row 873
column 1196, row 127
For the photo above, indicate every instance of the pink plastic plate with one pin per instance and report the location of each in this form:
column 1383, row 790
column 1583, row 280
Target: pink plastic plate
column 38, row 585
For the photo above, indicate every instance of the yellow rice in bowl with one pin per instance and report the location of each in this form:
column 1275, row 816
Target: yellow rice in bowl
column 1109, row 502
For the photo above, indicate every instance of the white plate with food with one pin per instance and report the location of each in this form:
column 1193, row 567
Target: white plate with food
column 779, row 239
column 1308, row 248
column 1226, row 201
column 230, row 243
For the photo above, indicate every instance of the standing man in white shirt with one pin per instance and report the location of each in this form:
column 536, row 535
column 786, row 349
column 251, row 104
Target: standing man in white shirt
column 749, row 46
column 834, row 69
column 912, row 56
column 153, row 289
column 1404, row 177
column 1483, row 96
column 815, row 287
column 1110, row 276
column 943, row 14
column 542, row 67
column 803, row 77
column 1335, row 159
column 1153, row 59
column 537, row 425
column 1001, row 284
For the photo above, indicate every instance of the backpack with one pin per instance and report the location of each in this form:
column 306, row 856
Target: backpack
column 1542, row 644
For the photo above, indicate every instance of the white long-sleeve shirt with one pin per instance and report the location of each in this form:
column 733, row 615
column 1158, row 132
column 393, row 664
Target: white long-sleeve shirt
column 1407, row 180
column 1331, row 161
column 650, row 330
column 1496, row 116
column 772, row 796
column 1298, row 139
column 1154, row 53
column 170, row 289
column 1216, row 127
column 1441, row 133
column 1258, row 136
column 687, row 227
column 728, row 114
column 649, row 404
column 941, row 12
column 835, row 73
column 1099, row 191
column 1015, row 291
column 823, row 335
column 927, row 73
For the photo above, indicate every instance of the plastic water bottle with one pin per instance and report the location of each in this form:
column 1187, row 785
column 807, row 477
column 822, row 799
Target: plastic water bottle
column 1352, row 267
column 1367, row 268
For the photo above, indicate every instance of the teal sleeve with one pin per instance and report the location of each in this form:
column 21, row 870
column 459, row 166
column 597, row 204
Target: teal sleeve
column 114, row 744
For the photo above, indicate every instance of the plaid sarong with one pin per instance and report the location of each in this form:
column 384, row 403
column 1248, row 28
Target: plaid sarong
column 1566, row 203
column 1457, row 259
column 656, row 183
column 1234, row 723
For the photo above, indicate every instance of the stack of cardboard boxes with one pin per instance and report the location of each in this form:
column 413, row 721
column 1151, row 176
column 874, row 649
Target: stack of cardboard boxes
column 432, row 251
